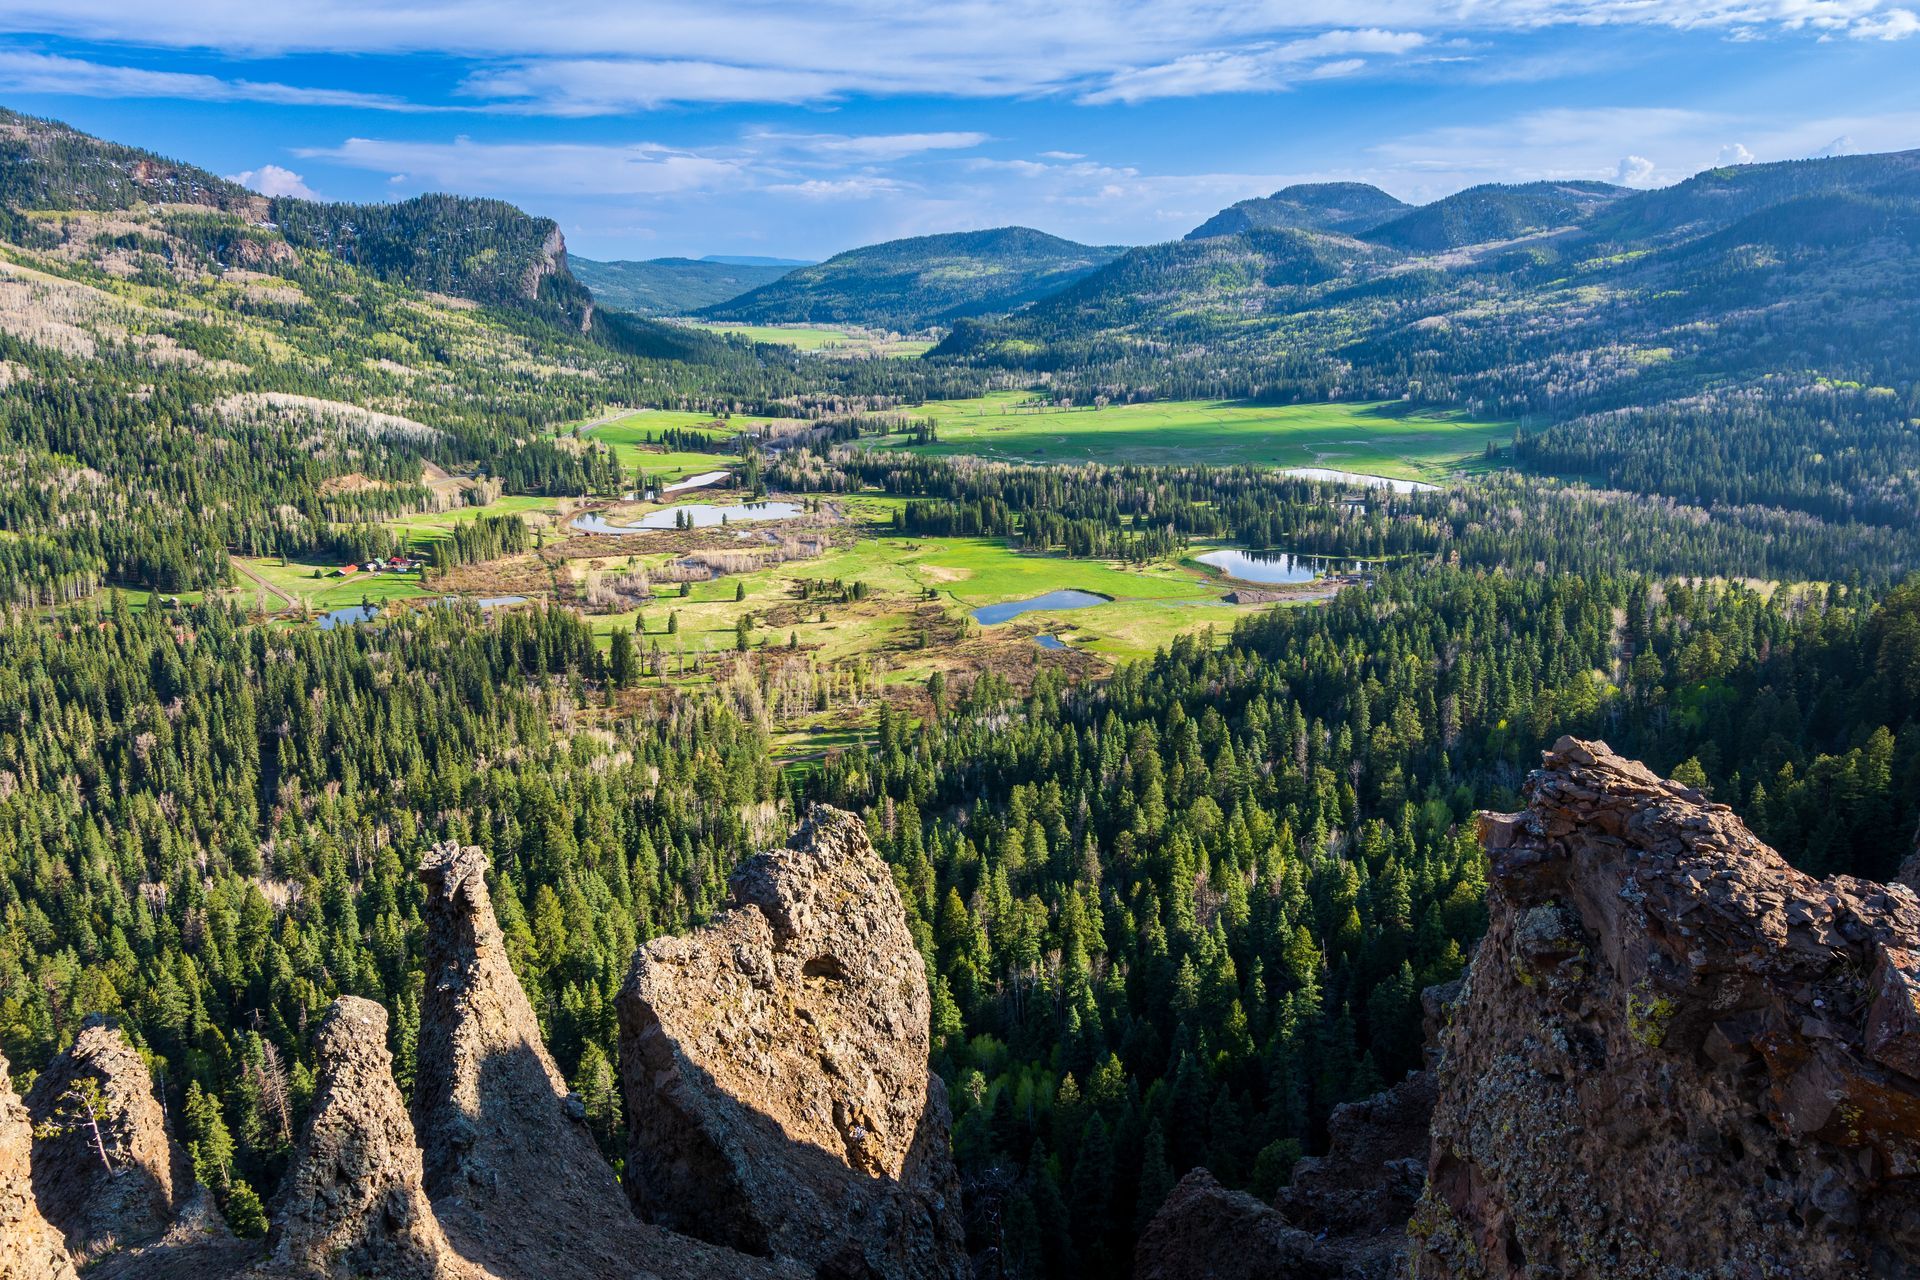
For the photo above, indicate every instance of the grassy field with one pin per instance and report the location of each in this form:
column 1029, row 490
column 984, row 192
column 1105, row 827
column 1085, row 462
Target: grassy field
column 628, row 438
column 826, row 339
column 1382, row 439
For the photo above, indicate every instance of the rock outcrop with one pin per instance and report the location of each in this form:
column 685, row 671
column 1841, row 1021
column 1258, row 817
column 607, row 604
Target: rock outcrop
column 1206, row 1232
column 1343, row 1216
column 30, row 1247
column 774, row 1066
column 1675, row 1055
column 512, row 1170
column 352, row 1203
column 112, row 1185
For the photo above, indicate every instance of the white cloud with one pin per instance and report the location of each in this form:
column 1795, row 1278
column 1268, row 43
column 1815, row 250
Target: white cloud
column 1840, row 146
column 272, row 180
column 1895, row 24
column 22, row 72
column 637, row 169
column 606, row 86
column 1634, row 171
column 1734, row 153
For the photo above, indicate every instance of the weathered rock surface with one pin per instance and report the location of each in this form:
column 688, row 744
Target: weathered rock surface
column 1675, row 1055
column 774, row 1066
column 512, row 1171
column 99, row 1208
column 30, row 1247
column 352, row 1203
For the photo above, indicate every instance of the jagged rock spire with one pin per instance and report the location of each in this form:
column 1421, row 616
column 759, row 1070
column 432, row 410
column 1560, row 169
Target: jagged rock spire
column 30, row 1247
column 352, row 1203
column 114, row 1185
column 774, row 1066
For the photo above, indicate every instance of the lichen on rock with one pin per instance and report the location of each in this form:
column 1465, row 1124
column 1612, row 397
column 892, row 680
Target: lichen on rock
column 1675, row 1055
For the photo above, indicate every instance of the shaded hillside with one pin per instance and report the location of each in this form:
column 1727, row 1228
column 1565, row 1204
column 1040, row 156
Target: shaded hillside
column 1347, row 207
column 670, row 286
column 927, row 280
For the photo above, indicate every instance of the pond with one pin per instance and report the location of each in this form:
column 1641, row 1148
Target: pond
column 701, row 515
column 1263, row 566
column 1329, row 476
column 700, row 481
column 347, row 617
column 989, row 614
column 356, row 614
column 1046, row 641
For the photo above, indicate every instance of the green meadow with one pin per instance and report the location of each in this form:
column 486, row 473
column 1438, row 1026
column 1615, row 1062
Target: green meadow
column 1385, row 439
column 827, row 339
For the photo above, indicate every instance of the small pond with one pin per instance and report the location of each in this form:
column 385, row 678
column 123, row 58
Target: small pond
column 1330, row 476
column 348, row 616
column 700, row 481
column 1263, row 566
column 1046, row 641
column 701, row 515
column 989, row 614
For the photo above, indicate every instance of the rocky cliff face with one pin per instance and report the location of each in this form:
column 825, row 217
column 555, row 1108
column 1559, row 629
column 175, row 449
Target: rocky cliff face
column 30, row 1247
column 774, row 1066
column 353, row 1202
column 1675, row 1055
column 116, row 1190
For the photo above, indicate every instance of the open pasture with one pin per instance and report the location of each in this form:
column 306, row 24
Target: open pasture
column 1384, row 439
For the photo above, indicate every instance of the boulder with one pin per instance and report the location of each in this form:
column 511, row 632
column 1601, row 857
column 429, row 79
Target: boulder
column 1206, row 1232
column 113, row 1184
column 774, row 1067
column 30, row 1247
column 352, row 1204
column 1674, row 1054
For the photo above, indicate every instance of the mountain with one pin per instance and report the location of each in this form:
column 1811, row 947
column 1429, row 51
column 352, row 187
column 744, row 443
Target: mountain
column 1496, row 211
column 672, row 286
column 927, row 280
column 1348, row 207
column 482, row 250
column 752, row 260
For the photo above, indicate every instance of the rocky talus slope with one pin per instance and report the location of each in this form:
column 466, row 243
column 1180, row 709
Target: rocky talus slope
column 1675, row 1055
column 30, row 1247
column 774, row 1066
column 117, row 1190
column 493, row 1174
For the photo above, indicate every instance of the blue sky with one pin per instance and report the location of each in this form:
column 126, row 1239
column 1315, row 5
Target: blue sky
column 738, row 126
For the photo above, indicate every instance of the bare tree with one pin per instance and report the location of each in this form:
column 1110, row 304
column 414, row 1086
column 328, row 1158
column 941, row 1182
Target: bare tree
column 79, row 1110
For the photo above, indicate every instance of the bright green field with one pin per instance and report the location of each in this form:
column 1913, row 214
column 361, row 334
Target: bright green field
column 848, row 341
column 1382, row 439
column 627, row 436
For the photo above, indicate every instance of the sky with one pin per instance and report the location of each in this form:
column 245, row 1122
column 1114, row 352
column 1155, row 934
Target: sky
column 652, row 128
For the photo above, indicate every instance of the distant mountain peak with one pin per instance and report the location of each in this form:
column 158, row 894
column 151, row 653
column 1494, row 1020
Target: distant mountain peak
column 1345, row 207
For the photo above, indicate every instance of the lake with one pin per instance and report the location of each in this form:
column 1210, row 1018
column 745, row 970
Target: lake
column 702, row 515
column 347, row 617
column 989, row 614
column 1046, row 641
column 1330, row 476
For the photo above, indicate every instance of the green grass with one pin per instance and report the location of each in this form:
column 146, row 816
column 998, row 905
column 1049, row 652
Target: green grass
column 1384, row 439
column 627, row 437
column 840, row 340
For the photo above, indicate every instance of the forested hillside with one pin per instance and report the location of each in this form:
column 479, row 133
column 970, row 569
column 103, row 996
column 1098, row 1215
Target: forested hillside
column 1346, row 207
column 670, row 286
column 928, row 280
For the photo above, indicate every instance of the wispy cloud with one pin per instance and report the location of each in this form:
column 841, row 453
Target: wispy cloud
column 1260, row 69
column 24, row 72
column 637, row 169
column 866, row 148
